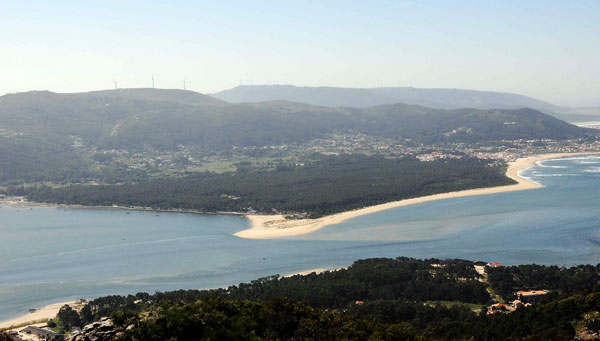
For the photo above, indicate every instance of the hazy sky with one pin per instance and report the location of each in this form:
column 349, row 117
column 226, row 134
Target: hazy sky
column 546, row 49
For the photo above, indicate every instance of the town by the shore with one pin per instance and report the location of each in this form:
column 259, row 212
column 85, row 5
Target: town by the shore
column 277, row 226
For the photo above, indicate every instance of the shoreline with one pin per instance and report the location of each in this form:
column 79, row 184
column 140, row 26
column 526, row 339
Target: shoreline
column 20, row 201
column 276, row 226
column 39, row 316
column 266, row 226
column 316, row 271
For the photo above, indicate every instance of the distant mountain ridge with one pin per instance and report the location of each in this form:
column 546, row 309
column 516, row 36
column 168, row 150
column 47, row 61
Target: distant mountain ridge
column 368, row 97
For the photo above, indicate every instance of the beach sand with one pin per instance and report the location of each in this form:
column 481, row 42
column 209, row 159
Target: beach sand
column 317, row 271
column 39, row 316
column 308, row 272
column 276, row 226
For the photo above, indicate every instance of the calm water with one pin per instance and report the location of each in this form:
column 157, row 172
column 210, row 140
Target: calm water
column 50, row 255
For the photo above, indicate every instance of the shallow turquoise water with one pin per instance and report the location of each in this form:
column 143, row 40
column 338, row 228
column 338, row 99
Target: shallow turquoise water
column 51, row 255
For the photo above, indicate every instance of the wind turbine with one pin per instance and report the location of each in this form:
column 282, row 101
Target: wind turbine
column 115, row 84
column 152, row 81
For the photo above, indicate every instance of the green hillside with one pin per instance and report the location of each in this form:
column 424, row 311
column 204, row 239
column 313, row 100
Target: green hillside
column 163, row 118
column 46, row 130
column 379, row 299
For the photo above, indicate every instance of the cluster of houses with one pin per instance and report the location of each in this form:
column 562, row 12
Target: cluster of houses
column 524, row 299
column 437, row 156
column 480, row 266
column 336, row 144
column 35, row 333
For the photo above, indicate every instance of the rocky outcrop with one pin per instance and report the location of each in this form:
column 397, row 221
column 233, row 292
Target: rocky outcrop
column 102, row 330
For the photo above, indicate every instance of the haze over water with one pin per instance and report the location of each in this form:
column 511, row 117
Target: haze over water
column 51, row 255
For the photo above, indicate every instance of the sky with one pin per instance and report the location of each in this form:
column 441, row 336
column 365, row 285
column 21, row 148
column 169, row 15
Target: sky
column 545, row 49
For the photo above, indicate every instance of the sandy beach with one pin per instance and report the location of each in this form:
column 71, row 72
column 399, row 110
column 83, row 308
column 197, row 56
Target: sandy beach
column 39, row 316
column 317, row 271
column 276, row 226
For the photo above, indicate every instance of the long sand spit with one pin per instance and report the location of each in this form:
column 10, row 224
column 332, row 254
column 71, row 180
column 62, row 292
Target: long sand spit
column 276, row 226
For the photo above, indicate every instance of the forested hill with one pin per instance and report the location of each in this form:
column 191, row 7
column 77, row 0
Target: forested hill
column 47, row 131
column 367, row 97
column 158, row 95
column 381, row 299
column 137, row 118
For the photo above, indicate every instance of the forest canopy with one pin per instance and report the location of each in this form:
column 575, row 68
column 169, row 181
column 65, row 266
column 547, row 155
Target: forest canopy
column 331, row 185
column 380, row 298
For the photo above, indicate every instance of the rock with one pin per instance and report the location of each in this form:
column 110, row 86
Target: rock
column 103, row 330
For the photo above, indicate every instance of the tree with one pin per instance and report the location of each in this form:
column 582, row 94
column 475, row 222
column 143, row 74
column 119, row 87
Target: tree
column 69, row 318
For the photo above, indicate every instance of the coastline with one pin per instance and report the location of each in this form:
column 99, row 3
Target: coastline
column 316, row 271
column 39, row 316
column 269, row 226
column 276, row 226
column 265, row 226
column 20, row 201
